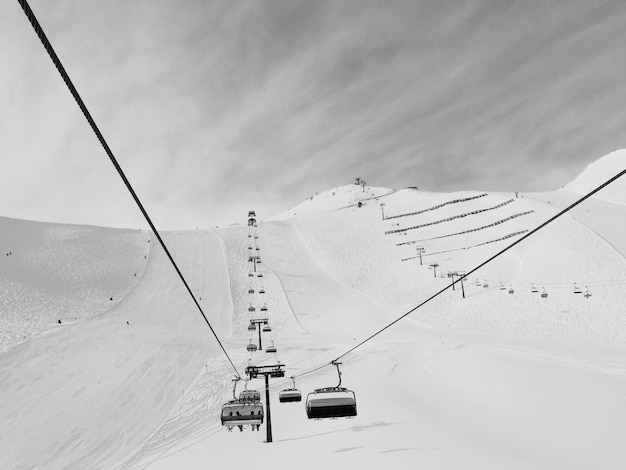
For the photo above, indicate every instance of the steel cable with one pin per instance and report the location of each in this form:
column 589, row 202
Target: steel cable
column 57, row 62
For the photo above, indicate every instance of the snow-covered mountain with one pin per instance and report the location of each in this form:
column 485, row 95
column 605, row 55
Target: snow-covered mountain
column 503, row 378
column 599, row 171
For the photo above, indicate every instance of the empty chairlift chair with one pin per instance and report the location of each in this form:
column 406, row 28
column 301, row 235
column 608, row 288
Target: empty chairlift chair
column 271, row 348
column 264, row 309
column 251, row 308
column 577, row 289
column 251, row 327
column 289, row 395
column 331, row 402
column 251, row 346
column 250, row 395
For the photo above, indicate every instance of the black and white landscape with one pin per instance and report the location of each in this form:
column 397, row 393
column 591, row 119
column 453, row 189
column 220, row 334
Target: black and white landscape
column 472, row 122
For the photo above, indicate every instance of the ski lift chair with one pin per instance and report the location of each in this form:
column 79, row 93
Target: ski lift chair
column 267, row 328
column 290, row 394
column 331, row 402
column 544, row 294
column 251, row 347
column 262, row 291
column 251, row 291
column 511, row 291
column 271, row 348
column 587, row 293
column 251, row 308
column 577, row 289
column 251, row 327
column 264, row 308
column 250, row 396
column 241, row 413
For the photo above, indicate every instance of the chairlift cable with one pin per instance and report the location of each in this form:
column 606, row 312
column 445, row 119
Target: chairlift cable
column 519, row 240
column 68, row 82
column 315, row 369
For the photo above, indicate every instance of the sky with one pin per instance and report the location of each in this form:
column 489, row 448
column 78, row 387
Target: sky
column 214, row 108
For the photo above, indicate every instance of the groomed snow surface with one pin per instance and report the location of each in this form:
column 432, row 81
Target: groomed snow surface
column 493, row 380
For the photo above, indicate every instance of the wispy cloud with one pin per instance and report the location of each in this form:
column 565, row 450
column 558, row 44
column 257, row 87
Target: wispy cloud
column 216, row 107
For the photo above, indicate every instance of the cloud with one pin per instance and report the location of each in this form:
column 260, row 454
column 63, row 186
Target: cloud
column 215, row 107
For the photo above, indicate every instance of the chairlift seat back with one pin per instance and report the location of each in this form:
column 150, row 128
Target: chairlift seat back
column 250, row 395
column 333, row 402
column 289, row 395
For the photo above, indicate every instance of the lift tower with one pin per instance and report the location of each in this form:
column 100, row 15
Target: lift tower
column 258, row 322
column 267, row 371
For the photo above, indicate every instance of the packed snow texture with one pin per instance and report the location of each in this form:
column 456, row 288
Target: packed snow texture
column 492, row 380
column 53, row 272
column 600, row 171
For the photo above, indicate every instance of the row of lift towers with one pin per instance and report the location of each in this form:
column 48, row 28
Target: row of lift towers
column 246, row 409
column 461, row 274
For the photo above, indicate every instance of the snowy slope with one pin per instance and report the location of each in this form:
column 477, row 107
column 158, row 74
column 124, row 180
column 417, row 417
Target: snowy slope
column 63, row 272
column 352, row 245
column 495, row 380
column 336, row 198
column 598, row 172
column 88, row 395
